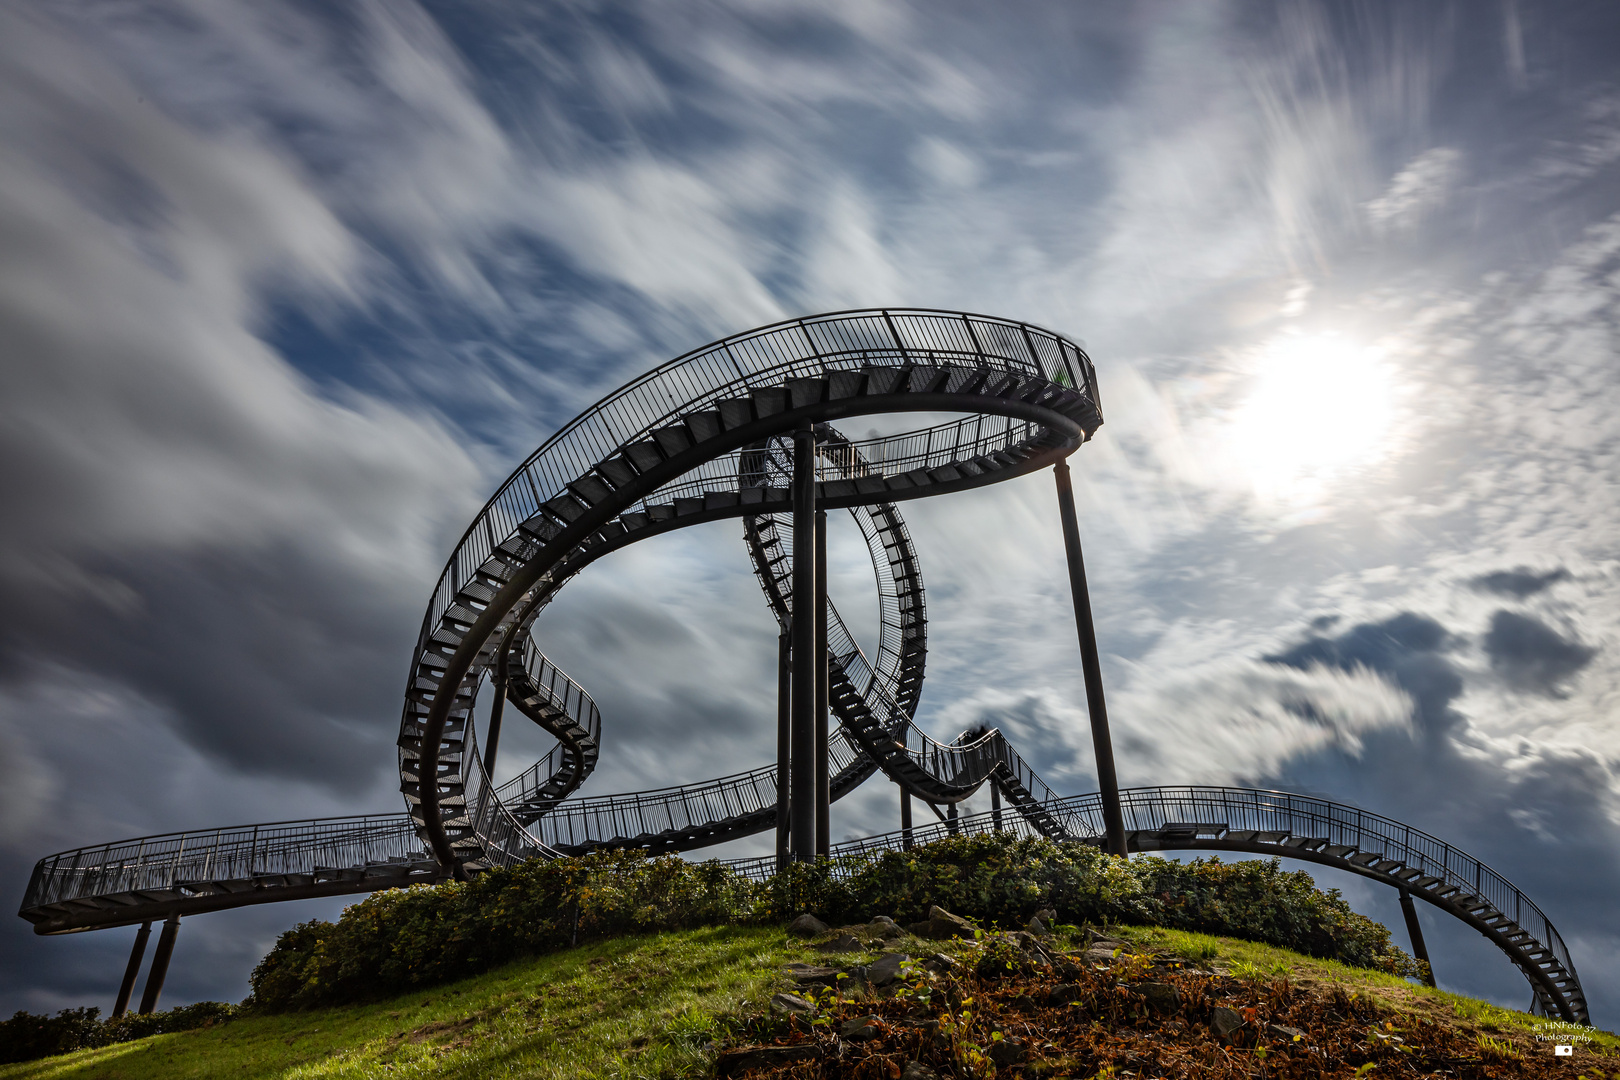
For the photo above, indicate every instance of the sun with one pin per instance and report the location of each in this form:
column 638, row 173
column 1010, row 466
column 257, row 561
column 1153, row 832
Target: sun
column 1321, row 409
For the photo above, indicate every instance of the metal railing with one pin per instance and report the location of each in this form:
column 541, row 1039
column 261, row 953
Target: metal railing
column 240, row 853
column 732, row 367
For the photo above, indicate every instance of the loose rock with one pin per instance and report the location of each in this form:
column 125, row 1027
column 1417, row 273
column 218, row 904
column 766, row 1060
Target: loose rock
column 916, row 1070
column 810, row 975
column 841, row 943
column 1161, row 996
column 886, row 969
column 1283, row 1031
column 807, row 925
column 1224, row 1021
column 860, row 1028
column 737, row 1062
column 942, row 926
column 790, row 1004
column 1009, row 1051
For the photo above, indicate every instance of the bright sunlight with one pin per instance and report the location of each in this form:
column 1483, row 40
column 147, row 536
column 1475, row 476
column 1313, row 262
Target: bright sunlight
column 1321, row 408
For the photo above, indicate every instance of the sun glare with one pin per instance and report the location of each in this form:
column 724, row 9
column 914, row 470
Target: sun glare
column 1320, row 409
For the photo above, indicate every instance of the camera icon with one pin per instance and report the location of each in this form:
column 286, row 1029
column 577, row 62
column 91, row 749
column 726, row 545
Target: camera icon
column 1561, row 1050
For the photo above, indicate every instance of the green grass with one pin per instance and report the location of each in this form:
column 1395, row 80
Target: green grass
column 632, row 1007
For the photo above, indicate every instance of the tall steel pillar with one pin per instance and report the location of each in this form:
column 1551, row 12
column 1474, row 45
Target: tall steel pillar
column 495, row 710
column 905, row 819
column 802, row 769
column 160, row 964
column 784, row 746
column 1415, row 933
column 995, row 805
column 823, row 692
column 1102, row 743
column 132, row 970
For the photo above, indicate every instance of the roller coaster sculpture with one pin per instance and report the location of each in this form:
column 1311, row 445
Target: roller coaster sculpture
column 742, row 428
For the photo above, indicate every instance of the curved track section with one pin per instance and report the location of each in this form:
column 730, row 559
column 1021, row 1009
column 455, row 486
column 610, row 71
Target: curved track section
column 1291, row 826
column 680, row 446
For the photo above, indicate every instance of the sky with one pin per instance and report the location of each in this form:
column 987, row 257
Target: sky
column 287, row 289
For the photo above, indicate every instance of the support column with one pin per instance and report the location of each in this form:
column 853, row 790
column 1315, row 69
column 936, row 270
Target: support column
column 133, row 969
column 950, row 819
column 905, row 819
column 823, row 693
column 995, row 805
column 802, row 771
column 784, row 735
column 495, row 711
column 1415, row 933
column 160, row 964
column 1102, row 744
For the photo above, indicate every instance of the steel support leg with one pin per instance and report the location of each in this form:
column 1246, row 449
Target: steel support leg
column 132, row 970
column 784, row 736
column 995, row 805
column 1415, row 933
column 802, row 784
column 160, row 964
column 950, row 819
column 905, row 819
column 495, row 710
column 1091, row 666
column 823, row 692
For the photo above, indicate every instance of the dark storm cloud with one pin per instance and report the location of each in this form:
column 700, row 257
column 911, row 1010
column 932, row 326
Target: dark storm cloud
column 1520, row 582
column 1540, row 814
column 1531, row 655
column 1409, row 649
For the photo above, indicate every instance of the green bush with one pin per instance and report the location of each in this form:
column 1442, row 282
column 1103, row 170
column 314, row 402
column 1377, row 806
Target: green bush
column 26, row 1037
column 404, row 938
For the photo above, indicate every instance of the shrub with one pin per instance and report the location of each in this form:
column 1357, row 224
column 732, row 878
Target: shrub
column 404, row 938
column 26, row 1037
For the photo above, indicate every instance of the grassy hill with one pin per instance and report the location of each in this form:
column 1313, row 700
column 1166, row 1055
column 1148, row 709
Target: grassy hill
column 660, row 1005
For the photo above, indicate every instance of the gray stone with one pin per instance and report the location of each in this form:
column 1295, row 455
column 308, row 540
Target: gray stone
column 1161, row 996
column 886, row 969
column 1099, row 954
column 942, row 926
column 916, row 1070
column 1047, row 915
column 791, row 1003
column 807, row 925
column 810, row 975
column 940, row 963
column 1224, row 1021
column 1008, row 1051
column 1283, row 1031
column 860, row 1029
column 884, row 927
column 841, row 943
column 1038, row 928
column 737, row 1062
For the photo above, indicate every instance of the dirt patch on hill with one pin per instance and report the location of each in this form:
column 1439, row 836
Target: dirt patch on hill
column 1020, row 1009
